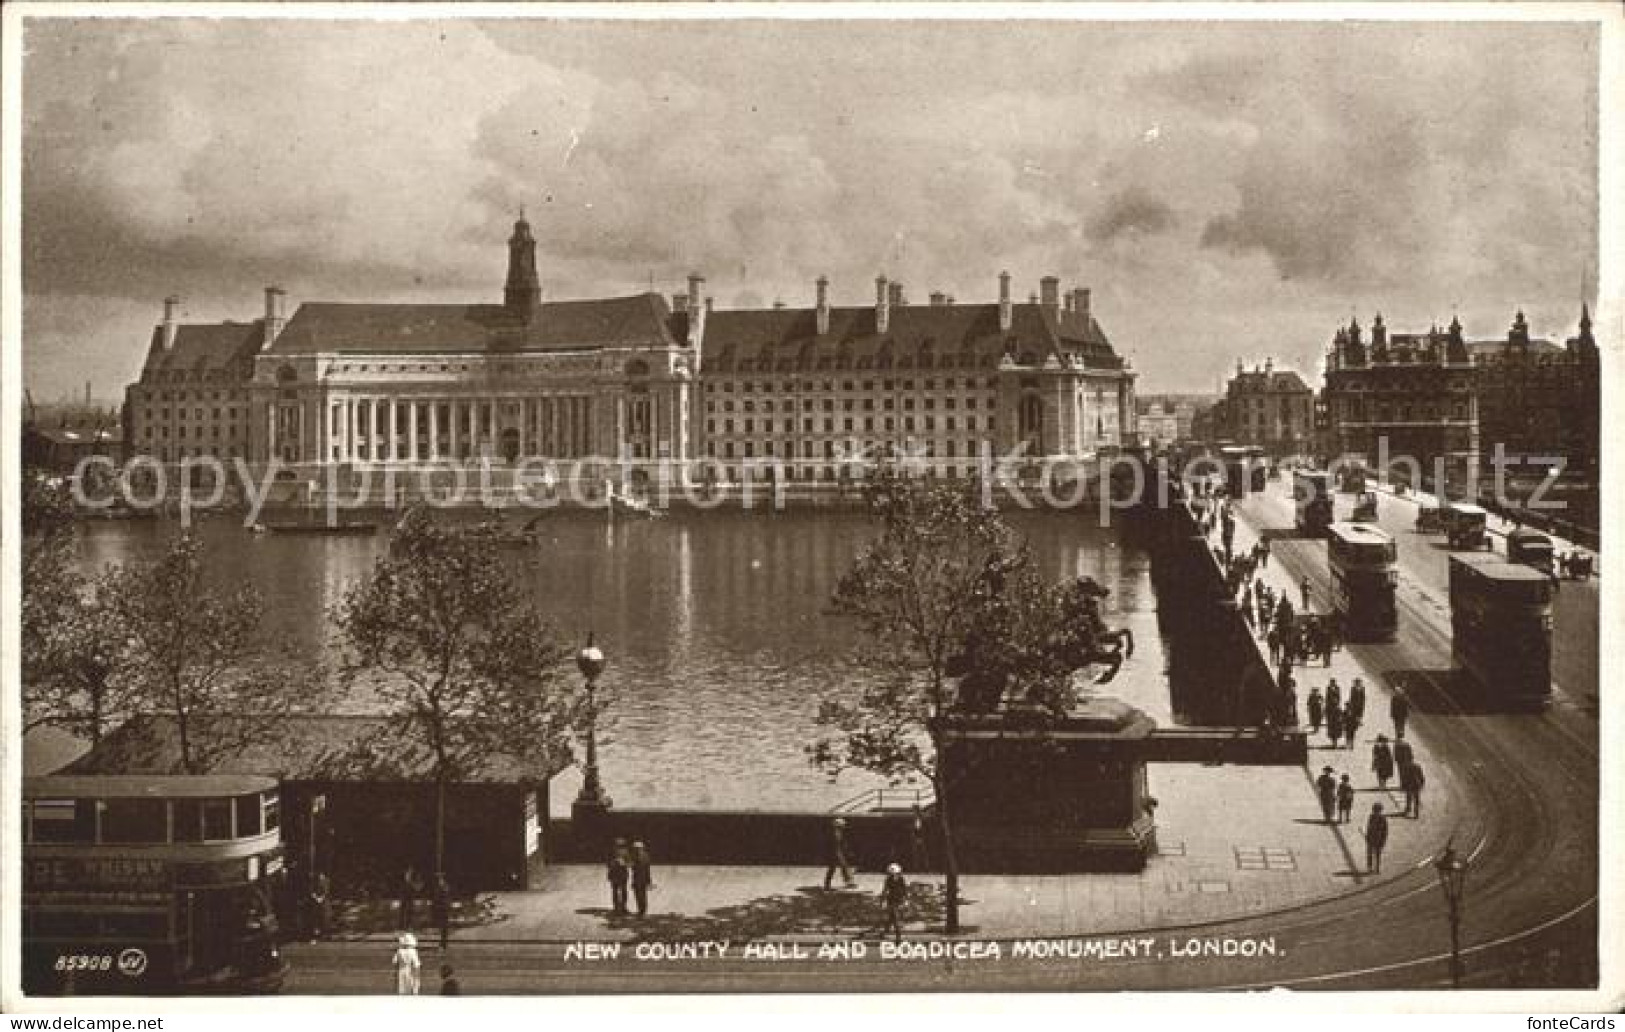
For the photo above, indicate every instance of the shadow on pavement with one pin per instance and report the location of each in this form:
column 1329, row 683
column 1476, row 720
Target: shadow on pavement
column 810, row 910
column 355, row 919
column 1447, row 691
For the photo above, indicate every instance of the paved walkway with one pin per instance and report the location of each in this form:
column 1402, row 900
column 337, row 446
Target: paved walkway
column 1236, row 842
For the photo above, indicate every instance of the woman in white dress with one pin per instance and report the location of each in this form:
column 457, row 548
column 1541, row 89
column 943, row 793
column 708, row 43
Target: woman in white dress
column 408, row 968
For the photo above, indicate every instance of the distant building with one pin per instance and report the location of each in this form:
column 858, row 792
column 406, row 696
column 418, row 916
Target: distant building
column 1412, row 397
column 1540, row 403
column 1267, row 407
column 60, row 450
column 1166, row 418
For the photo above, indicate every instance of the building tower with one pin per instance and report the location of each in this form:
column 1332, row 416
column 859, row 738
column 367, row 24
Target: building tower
column 523, row 293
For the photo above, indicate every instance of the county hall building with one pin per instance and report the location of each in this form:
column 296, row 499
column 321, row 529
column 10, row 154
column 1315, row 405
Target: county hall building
column 674, row 385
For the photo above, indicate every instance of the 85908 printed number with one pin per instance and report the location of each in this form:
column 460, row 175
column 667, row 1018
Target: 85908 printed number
column 84, row 962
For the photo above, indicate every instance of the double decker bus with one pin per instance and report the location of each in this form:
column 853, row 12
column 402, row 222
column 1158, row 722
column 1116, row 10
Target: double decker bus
column 1501, row 625
column 150, row 885
column 1363, row 562
column 1312, row 500
column 1245, row 468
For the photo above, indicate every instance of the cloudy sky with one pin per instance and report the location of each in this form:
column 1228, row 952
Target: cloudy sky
column 1227, row 191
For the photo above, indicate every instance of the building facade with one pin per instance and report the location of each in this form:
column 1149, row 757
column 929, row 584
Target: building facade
column 643, row 382
column 1408, row 402
column 1267, row 407
column 1168, row 418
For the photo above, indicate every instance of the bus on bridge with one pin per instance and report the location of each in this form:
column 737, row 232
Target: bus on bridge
column 1501, row 626
column 1312, row 500
column 1363, row 562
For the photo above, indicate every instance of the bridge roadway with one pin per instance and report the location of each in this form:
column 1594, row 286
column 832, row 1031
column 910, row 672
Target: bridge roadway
column 1531, row 913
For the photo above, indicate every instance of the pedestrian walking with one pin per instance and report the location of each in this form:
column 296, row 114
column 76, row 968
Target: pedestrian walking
column 1334, row 693
column 411, row 888
column 1289, row 705
column 894, row 893
column 1399, row 711
column 1345, row 800
column 1283, row 612
column 1376, row 837
column 1334, row 722
column 1326, row 789
column 1273, row 639
column 408, row 967
column 1403, row 755
column 618, row 872
column 919, row 858
column 440, row 907
column 642, row 877
column 1356, row 697
column 1351, row 723
column 1303, row 586
column 837, row 855
column 449, row 985
column 1316, row 710
column 1382, row 762
column 1265, row 557
column 1411, row 779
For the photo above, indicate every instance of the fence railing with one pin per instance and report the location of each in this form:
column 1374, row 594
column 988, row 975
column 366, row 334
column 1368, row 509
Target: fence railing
column 886, row 799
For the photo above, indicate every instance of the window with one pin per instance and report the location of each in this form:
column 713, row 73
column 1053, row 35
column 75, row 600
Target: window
column 217, row 819
column 64, row 820
column 250, row 817
column 135, row 821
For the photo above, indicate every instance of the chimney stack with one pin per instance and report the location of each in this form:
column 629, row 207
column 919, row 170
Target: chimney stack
column 275, row 314
column 938, row 299
column 1005, row 315
column 679, row 302
column 1050, row 292
column 778, row 304
column 172, row 308
column 695, row 309
column 897, row 299
column 823, row 305
column 1080, row 307
column 882, row 305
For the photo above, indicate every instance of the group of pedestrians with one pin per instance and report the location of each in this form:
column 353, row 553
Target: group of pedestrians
column 629, row 867
column 1341, row 717
column 1336, row 792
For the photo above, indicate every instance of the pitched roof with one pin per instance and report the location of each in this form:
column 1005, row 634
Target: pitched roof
column 306, row 747
column 204, row 347
column 785, row 339
column 325, row 326
column 1278, row 381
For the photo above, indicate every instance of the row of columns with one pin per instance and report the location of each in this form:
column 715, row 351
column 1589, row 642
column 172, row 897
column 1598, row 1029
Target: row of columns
column 370, row 428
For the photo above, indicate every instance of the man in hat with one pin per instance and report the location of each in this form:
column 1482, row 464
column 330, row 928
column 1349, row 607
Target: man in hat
column 1326, row 787
column 837, row 855
column 1399, row 711
column 642, row 877
column 893, row 894
column 1382, row 762
column 1376, row 837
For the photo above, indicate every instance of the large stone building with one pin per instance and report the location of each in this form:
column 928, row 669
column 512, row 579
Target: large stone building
column 679, row 387
column 1440, row 396
column 1408, row 399
column 1267, row 407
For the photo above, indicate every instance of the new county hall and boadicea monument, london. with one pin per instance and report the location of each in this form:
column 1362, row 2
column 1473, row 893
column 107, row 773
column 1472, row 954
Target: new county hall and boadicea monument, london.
column 678, row 388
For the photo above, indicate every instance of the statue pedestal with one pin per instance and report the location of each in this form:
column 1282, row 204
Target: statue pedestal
column 1069, row 797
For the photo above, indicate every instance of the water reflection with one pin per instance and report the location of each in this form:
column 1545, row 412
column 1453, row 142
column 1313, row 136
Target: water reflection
column 719, row 648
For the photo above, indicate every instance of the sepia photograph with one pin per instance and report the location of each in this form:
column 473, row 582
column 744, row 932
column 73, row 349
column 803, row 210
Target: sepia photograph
column 754, row 499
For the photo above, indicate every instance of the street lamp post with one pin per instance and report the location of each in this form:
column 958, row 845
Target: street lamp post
column 1452, row 871
column 592, row 801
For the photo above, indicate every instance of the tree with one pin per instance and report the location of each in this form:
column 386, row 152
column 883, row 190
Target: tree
column 68, row 634
column 72, row 660
column 957, row 623
column 196, row 656
column 468, row 667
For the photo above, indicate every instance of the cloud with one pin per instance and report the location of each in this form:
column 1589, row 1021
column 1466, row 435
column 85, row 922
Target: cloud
column 1294, row 168
column 1128, row 212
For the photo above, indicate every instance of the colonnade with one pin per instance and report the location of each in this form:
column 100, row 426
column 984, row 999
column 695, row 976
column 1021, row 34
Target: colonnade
column 392, row 428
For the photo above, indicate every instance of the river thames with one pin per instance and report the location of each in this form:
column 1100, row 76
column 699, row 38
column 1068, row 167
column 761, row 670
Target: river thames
column 715, row 624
